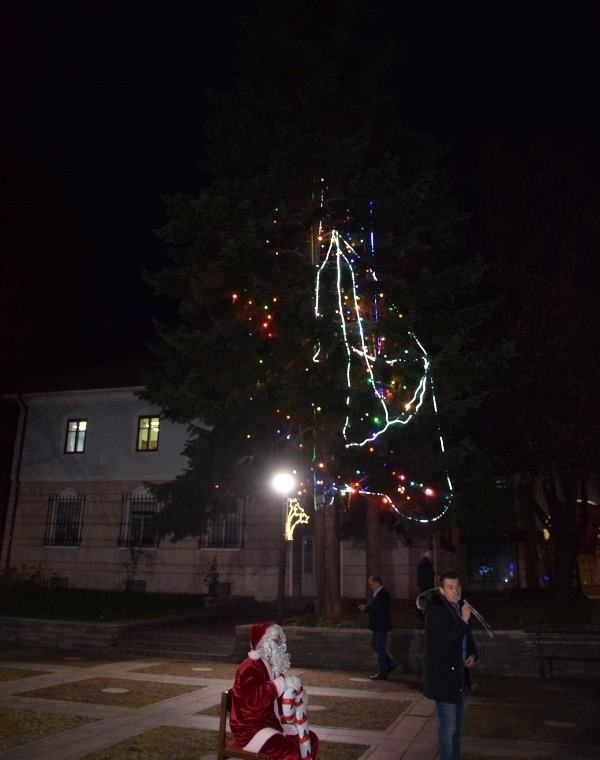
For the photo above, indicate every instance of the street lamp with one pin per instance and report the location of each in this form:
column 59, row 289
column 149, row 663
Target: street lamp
column 283, row 483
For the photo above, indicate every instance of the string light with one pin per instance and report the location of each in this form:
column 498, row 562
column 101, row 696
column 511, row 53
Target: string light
column 369, row 359
column 337, row 257
column 341, row 255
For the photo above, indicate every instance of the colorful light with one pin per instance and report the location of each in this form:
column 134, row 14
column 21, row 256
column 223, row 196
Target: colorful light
column 353, row 331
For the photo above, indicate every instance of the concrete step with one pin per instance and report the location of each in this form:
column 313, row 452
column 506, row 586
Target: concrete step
column 173, row 654
column 165, row 644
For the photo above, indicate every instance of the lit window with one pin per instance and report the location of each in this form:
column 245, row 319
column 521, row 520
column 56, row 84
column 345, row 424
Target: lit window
column 65, row 515
column 147, row 438
column 138, row 527
column 75, row 440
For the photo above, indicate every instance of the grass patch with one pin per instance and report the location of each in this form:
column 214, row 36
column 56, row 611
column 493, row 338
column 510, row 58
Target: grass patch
column 14, row 674
column 530, row 723
column 20, row 727
column 190, row 744
column 346, row 712
column 138, row 694
column 160, row 743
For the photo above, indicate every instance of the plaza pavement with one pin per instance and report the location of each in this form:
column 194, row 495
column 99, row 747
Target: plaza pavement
column 412, row 736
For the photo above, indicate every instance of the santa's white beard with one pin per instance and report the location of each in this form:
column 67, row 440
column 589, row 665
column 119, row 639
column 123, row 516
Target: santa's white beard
column 277, row 656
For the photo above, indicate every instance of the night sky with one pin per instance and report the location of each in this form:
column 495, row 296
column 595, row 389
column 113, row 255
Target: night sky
column 104, row 105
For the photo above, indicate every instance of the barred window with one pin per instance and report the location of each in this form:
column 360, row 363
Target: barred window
column 147, row 435
column 65, row 517
column 225, row 531
column 138, row 527
column 75, row 438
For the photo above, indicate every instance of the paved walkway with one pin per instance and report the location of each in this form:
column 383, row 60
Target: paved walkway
column 411, row 737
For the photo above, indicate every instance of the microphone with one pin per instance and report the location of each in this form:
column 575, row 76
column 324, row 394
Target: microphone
column 480, row 618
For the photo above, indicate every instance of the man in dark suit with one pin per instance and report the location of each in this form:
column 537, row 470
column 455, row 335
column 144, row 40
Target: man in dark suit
column 380, row 624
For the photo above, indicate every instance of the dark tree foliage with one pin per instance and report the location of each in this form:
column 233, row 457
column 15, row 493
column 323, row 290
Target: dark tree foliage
column 539, row 221
column 307, row 108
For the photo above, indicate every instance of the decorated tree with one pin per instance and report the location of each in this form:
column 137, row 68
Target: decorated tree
column 319, row 288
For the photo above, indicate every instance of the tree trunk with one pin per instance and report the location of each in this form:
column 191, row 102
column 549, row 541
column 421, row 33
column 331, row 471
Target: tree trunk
column 563, row 513
column 319, row 539
column 327, row 550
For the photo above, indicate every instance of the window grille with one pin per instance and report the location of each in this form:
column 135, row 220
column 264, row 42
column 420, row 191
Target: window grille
column 65, row 517
column 224, row 531
column 138, row 527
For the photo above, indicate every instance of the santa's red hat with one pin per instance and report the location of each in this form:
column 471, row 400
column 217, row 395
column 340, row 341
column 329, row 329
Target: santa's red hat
column 257, row 632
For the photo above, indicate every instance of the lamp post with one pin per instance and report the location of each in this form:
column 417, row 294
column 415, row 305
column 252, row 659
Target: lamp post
column 283, row 483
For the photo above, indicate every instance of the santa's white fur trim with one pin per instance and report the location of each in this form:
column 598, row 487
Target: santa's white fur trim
column 259, row 739
column 253, row 654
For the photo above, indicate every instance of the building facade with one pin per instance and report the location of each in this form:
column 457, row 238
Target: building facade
column 77, row 509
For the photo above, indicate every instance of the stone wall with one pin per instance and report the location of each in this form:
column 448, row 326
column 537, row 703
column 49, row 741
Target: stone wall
column 509, row 653
column 64, row 634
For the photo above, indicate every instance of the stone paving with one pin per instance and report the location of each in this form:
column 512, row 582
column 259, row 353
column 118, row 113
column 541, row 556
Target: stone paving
column 412, row 736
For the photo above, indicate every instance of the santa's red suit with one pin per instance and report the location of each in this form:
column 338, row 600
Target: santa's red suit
column 255, row 717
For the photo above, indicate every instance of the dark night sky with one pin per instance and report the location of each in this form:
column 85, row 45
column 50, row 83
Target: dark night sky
column 104, row 105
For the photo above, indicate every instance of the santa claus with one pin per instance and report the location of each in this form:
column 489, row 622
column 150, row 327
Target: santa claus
column 267, row 707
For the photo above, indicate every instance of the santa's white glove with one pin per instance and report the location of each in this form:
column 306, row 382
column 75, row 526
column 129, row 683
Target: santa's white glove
column 293, row 682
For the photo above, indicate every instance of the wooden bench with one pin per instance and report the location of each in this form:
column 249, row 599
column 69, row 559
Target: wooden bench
column 225, row 747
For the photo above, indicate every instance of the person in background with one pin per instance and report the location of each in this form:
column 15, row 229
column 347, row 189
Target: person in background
column 450, row 653
column 380, row 624
column 425, row 577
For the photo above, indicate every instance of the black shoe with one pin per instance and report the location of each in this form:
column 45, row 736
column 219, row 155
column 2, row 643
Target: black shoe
column 378, row 677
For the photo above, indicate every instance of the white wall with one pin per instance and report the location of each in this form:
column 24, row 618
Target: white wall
column 110, row 442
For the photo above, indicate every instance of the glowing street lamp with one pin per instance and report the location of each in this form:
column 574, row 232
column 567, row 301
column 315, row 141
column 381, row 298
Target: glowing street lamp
column 283, row 483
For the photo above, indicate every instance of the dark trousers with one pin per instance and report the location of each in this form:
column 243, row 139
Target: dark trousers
column 379, row 646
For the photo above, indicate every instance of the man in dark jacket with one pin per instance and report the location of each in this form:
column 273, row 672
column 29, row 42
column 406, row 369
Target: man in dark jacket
column 450, row 653
column 380, row 624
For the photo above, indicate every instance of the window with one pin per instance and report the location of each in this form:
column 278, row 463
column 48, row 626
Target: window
column 224, row 531
column 147, row 437
column 491, row 562
column 138, row 527
column 75, row 440
column 65, row 513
